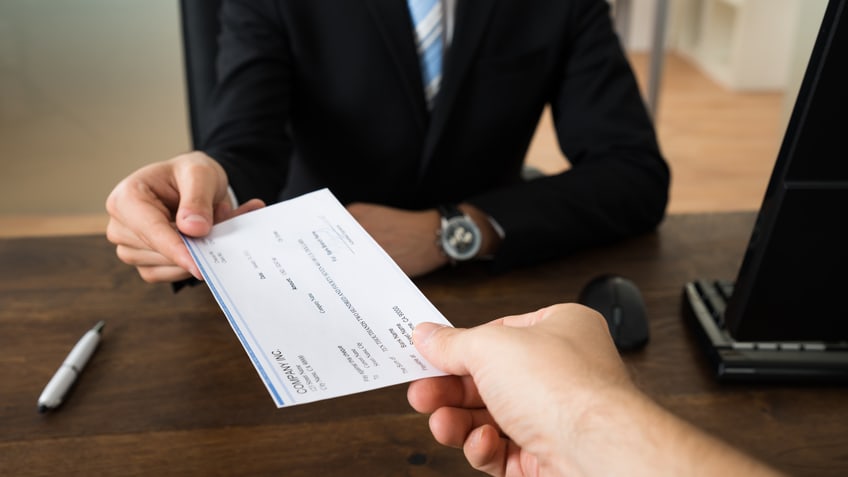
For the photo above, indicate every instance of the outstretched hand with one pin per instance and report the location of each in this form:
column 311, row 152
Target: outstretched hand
column 545, row 393
column 187, row 194
column 509, row 378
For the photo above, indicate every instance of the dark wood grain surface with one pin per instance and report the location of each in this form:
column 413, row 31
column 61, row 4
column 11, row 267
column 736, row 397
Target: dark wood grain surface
column 171, row 391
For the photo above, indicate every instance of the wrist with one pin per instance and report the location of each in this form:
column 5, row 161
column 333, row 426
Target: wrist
column 490, row 238
column 465, row 233
column 459, row 237
column 611, row 421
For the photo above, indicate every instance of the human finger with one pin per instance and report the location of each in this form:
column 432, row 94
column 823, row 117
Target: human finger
column 427, row 395
column 451, row 426
column 224, row 211
column 165, row 273
column 443, row 346
column 119, row 234
column 525, row 320
column 201, row 184
column 486, row 450
column 151, row 265
column 141, row 220
column 142, row 257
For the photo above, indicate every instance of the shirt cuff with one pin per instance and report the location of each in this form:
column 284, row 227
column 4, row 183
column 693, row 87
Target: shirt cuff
column 498, row 229
column 232, row 195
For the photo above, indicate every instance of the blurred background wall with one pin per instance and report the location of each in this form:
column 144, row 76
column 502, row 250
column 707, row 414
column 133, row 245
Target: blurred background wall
column 89, row 91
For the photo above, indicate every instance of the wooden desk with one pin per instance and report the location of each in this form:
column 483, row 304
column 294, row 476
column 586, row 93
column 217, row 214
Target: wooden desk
column 171, row 392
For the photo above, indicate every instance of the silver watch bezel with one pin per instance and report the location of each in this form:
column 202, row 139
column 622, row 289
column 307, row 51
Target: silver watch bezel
column 471, row 237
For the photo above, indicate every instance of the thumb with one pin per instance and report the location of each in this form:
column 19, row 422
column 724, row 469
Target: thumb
column 199, row 188
column 443, row 346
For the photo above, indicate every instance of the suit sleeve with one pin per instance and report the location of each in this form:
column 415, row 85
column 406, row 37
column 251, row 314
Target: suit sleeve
column 618, row 182
column 247, row 129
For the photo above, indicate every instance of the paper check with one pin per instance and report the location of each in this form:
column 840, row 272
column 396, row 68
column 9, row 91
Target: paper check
column 320, row 308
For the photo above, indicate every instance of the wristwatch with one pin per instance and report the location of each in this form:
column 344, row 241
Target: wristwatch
column 459, row 237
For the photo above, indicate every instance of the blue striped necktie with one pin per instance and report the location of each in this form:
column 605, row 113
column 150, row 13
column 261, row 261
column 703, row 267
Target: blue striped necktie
column 427, row 17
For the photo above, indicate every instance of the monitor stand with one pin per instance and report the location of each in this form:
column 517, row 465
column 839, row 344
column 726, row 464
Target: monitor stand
column 704, row 303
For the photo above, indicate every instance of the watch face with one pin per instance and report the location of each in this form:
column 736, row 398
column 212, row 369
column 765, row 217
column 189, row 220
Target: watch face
column 460, row 238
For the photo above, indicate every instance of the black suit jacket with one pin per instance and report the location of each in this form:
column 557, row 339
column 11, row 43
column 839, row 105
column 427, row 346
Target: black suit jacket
column 328, row 93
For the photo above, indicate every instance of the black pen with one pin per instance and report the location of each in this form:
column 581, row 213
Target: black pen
column 70, row 369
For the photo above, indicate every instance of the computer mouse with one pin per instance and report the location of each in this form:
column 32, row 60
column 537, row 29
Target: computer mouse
column 620, row 302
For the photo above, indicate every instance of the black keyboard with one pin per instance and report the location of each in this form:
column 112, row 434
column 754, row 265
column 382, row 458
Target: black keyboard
column 704, row 303
column 715, row 295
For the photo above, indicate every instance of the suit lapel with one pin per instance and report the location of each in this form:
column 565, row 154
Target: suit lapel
column 395, row 25
column 472, row 17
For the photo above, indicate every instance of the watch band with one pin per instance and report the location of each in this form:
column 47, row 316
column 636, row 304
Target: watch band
column 449, row 211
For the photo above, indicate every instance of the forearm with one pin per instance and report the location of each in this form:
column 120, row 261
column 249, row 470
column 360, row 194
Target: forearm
column 632, row 435
column 591, row 205
column 246, row 124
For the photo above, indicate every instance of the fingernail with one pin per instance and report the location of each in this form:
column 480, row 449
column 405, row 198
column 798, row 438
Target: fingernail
column 476, row 437
column 197, row 218
column 422, row 333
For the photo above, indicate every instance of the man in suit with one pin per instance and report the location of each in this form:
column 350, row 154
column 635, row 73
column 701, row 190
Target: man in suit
column 331, row 93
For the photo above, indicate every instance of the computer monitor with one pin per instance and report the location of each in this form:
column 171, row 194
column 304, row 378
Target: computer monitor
column 785, row 316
